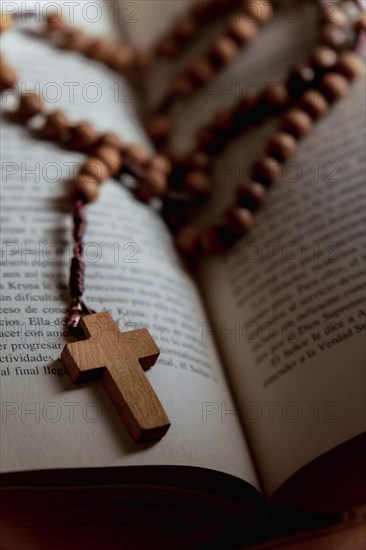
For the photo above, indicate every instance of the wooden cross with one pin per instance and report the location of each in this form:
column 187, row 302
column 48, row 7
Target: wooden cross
column 116, row 359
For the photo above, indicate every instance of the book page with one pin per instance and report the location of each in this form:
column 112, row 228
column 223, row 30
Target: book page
column 132, row 271
column 288, row 301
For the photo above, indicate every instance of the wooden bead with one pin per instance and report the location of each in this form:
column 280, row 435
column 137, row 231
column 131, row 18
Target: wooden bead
column 138, row 154
column 142, row 60
column 239, row 220
column 260, row 11
column 331, row 13
column 187, row 240
column 82, row 137
column 275, row 95
column 29, row 106
column 197, row 182
column 266, row 170
column 111, row 140
column 300, row 79
column 181, row 86
column 241, row 30
column 84, row 187
column 155, row 182
column 185, row 27
column 167, row 46
column 215, row 240
column 248, row 104
column 282, row 146
column 8, row 77
column 350, row 65
column 202, row 11
column 161, row 164
column 338, row 38
column 361, row 22
column 55, row 21
column 96, row 168
column 74, row 40
column 111, row 157
column 223, row 50
column 200, row 70
column 334, row 86
column 251, row 195
column 6, row 22
column 101, row 50
column 159, row 128
column 224, row 121
column 122, row 59
column 207, row 140
column 313, row 103
column 55, row 126
column 198, row 161
column 296, row 122
column 323, row 58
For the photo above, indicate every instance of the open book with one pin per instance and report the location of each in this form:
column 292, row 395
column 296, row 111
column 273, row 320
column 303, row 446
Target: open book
column 262, row 359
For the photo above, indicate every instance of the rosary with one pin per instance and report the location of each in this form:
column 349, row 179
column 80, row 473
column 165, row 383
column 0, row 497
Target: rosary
column 119, row 359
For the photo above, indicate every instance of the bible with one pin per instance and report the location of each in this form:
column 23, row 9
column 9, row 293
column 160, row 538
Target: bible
column 262, row 349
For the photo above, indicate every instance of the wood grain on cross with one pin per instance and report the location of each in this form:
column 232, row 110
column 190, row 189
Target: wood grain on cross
column 116, row 359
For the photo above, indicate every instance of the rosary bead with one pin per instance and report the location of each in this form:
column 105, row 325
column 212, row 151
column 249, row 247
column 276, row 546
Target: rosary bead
column 155, row 182
column 350, row 65
column 197, row 182
column 122, row 59
column 161, row 164
column 82, row 137
column 158, row 128
column 6, row 22
column 142, row 60
column 200, row 70
column 215, row 240
column 185, row 27
column 101, row 50
column 202, row 11
column 55, row 21
column 138, row 154
column 111, row 140
column 296, row 122
column 282, row 146
column 187, row 240
column 331, row 13
column 29, row 106
column 266, row 170
column 241, row 30
column 223, row 50
column 300, row 79
column 323, row 58
column 336, row 37
column 180, row 86
column 84, row 187
column 239, row 220
column 96, row 168
column 251, row 195
column 199, row 160
column 313, row 103
column 167, row 46
column 207, row 140
column 74, row 40
column 275, row 95
column 260, row 11
column 361, row 22
column 111, row 157
column 55, row 126
column 8, row 77
column 224, row 121
column 334, row 86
